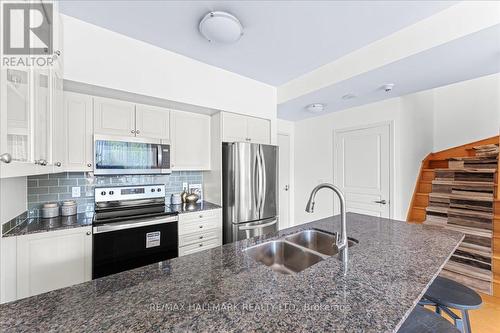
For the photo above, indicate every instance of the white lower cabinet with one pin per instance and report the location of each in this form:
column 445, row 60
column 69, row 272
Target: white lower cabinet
column 199, row 231
column 53, row 260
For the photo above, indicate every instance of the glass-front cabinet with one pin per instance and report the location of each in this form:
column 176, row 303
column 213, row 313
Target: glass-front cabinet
column 31, row 123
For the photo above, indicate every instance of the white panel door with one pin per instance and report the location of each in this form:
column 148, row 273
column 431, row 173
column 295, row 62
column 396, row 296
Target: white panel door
column 259, row 130
column 152, row 122
column 190, row 141
column 114, row 117
column 362, row 169
column 79, row 132
column 284, row 180
column 234, row 127
column 53, row 260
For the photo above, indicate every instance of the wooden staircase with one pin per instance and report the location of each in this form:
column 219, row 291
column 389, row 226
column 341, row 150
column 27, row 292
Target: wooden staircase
column 458, row 189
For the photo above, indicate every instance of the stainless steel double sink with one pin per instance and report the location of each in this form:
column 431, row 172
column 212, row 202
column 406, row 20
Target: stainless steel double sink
column 296, row 252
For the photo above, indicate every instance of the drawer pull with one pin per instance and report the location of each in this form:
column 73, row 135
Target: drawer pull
column 201, row 237
column 201, row 226
column 201, row 244
column 201, row 216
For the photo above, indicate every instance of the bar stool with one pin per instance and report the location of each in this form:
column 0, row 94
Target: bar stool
column 422, row 320
column 446, row 294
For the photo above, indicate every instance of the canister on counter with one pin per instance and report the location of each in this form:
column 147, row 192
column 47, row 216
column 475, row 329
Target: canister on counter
column 50, row 210
column 68, row 208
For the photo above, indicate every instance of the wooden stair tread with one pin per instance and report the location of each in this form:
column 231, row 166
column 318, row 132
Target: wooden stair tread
column 466, row 170
column 468, row 212
column 461, row 197
column 481, row 159
column 461, row 183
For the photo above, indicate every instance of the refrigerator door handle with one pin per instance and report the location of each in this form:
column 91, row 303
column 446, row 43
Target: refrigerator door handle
column 264, row 181
column 259, row 181
column 256, row 183
column 259, row 226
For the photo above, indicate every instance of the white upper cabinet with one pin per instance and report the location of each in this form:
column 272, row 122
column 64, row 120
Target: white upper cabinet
column 79, row 131
column 42, row 96
column 190, row 135
column 29, row 115
column 114, row 117
column 237, row 127
column 234, row 127
column 259, row 130
column 152, row 122
column 59, row 124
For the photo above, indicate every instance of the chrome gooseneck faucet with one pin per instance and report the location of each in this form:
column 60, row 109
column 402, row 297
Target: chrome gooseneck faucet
column 341, row 240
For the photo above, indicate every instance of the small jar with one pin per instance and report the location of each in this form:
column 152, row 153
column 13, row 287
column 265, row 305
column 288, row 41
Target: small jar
column 50, row 210
column 68, row 208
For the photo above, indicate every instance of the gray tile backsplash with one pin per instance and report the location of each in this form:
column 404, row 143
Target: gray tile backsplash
column 58, row 187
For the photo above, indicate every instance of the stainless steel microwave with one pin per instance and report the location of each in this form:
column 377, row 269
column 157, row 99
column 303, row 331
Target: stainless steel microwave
column 130, row 156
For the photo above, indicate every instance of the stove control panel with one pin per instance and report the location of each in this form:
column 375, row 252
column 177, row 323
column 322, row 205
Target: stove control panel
column 119, row 193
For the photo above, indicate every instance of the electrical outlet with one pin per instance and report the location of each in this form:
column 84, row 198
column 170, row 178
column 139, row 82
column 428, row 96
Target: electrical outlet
column 75, row 192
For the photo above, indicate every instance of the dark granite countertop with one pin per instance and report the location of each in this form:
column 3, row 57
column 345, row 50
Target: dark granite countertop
column 37, row 224
column 222, row 289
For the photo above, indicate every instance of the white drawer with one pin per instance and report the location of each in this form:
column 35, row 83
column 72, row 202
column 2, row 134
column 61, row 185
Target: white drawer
column 199, row 222
column 199, row 237
column 199, row 215
column 200, row 246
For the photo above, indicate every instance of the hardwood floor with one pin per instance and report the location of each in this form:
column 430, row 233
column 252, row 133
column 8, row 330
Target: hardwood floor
column 487, row 318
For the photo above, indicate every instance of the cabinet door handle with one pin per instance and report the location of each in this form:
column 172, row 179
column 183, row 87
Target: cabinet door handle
column 6, row 158
column 137, row 132
column 201, row 237
column 132, row 131
column 201, row 244
column 89, row 164
column 201, row 216
column 382, row 202
column 201, row 226
column 58, row 164
column 89, row 233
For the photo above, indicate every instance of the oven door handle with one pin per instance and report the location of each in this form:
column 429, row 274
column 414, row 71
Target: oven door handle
column 130, row 225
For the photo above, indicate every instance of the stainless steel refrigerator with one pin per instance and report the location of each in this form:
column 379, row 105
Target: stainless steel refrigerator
column 249, row 190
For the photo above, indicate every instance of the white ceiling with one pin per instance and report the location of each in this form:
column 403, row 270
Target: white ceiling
column 282, row 40
column 462, row 59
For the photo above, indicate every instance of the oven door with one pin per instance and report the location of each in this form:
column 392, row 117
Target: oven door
column 116, row 156
column 121, row 246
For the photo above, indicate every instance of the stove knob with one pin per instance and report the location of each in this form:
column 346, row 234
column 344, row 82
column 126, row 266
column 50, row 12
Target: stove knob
column 111, row 192
column 152, row 190
column 103, row 193
column 158, row 190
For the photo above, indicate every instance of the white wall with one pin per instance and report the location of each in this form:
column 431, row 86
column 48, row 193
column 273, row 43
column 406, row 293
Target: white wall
column 100, row 57
column 466, row 111
column 288, row 128
column 13, row 197
column 314, row 152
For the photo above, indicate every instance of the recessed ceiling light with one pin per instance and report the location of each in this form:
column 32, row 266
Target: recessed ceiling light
column 388, row 87
column 221, row 27
column 348, row 96
column 316, row 107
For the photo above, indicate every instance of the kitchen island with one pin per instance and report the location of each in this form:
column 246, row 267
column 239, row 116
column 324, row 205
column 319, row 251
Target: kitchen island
column 223, row 289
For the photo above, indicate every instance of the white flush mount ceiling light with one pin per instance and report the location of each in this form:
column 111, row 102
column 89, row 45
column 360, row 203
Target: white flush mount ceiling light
column 221, row 27
column 316, row 107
